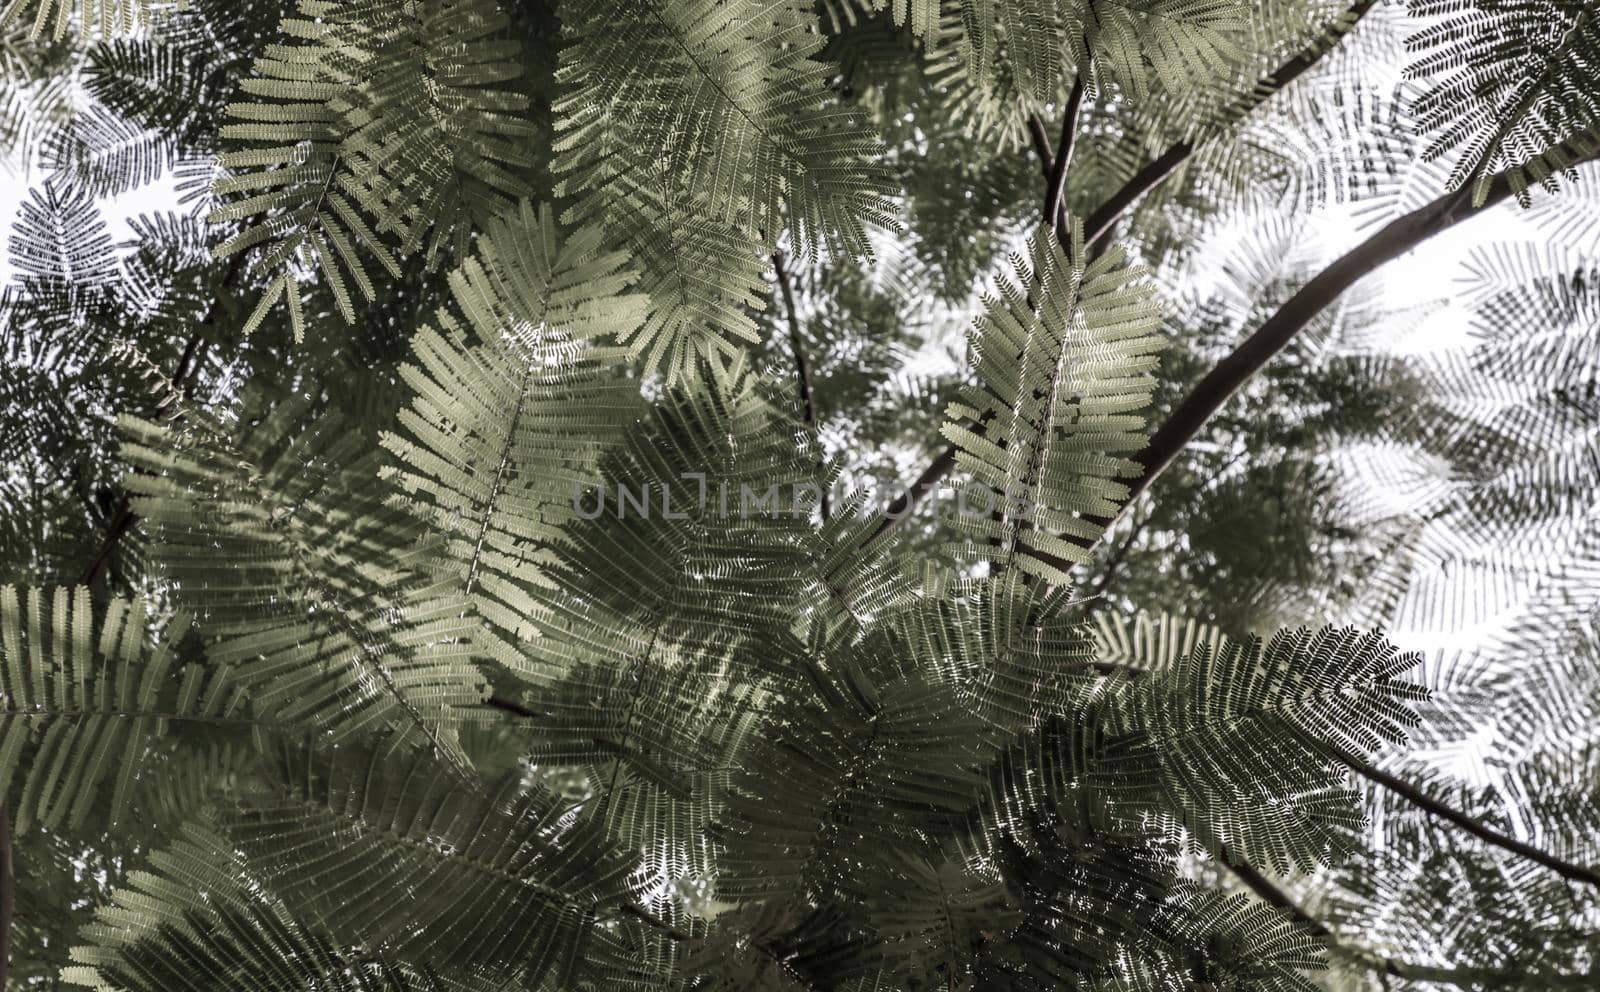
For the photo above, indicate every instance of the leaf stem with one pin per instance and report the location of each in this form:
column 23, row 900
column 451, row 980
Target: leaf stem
column 182, row 382
column 808, row 401
column 8, row 895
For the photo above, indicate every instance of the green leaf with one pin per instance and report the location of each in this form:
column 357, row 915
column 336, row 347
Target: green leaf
column 496, row 876
column 511, row 407
column 88, row 698
column 1228, row 737
column 1064, row 358
column 325, row 607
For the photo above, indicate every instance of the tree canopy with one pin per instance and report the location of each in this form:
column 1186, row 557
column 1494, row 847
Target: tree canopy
column 836, row 495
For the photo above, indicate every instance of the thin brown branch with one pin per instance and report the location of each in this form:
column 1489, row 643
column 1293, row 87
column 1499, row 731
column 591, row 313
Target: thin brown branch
column 1055, row 186
column 1489, row 835
column 1403, row 789
column 1468, row 978
column 1041, row 144
column 187, row 361
column 510, row 706
column 1306, row 58
column 1225, row 379
column 182, row 383
column 644, row 915
column 1146, row 179
column 906, row 503
column 1165, row 165
column 1106, row 216
column 121, row 521
column 1055, row 166
column 808, row 401
column 1273, row 895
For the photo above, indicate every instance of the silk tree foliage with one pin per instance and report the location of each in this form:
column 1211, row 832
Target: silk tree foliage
column 452, row 536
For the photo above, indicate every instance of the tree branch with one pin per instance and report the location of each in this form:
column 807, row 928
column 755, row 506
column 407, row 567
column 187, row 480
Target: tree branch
column 808, row 405
column 183, row 381
column 1146, row 179
column 808, row 402
column 907, row 502
column 120, row 523
column 1465, row 978
column 1165, row 165
column 1222, row 382
column 1405, row 790
column 510, row 706
column 1471, row 978
column 1056, row 182
column 1041, row 144
column 1273, row 895
column 1055, row 167
column 666, row 929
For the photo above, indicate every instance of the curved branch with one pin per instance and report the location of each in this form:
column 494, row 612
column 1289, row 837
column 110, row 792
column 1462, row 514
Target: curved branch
column 907, row 502
column 1056, row 181
column 511, row 706
column 1146, row 179
column 1273, row 895
column 1566, row 869
column 1269, row 892
column 1223, row 381
column 1041, row 144
column 1467, row 978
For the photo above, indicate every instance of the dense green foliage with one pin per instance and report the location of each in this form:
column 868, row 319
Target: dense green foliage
column 449, row 535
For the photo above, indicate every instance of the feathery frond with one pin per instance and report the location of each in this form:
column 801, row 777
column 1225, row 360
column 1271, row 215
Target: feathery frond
column 1064, row 359
column 386, row 131
column 1231, row 734
column 512, row 406
column 88, row 699
column 327, row 612
column 59, row 18
column 499, row 877
column 695, row 133
column 1515, row 84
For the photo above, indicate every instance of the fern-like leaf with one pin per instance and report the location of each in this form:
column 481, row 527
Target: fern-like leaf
column 1064, row 362
column 1229, row 737
column 497, row 877
column 326, row 608
column 384, row 132
column 89, row 18
column 698, row 131
column 511, row 409
column 87, row 698
column 205, row 917
column 1514, row 85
